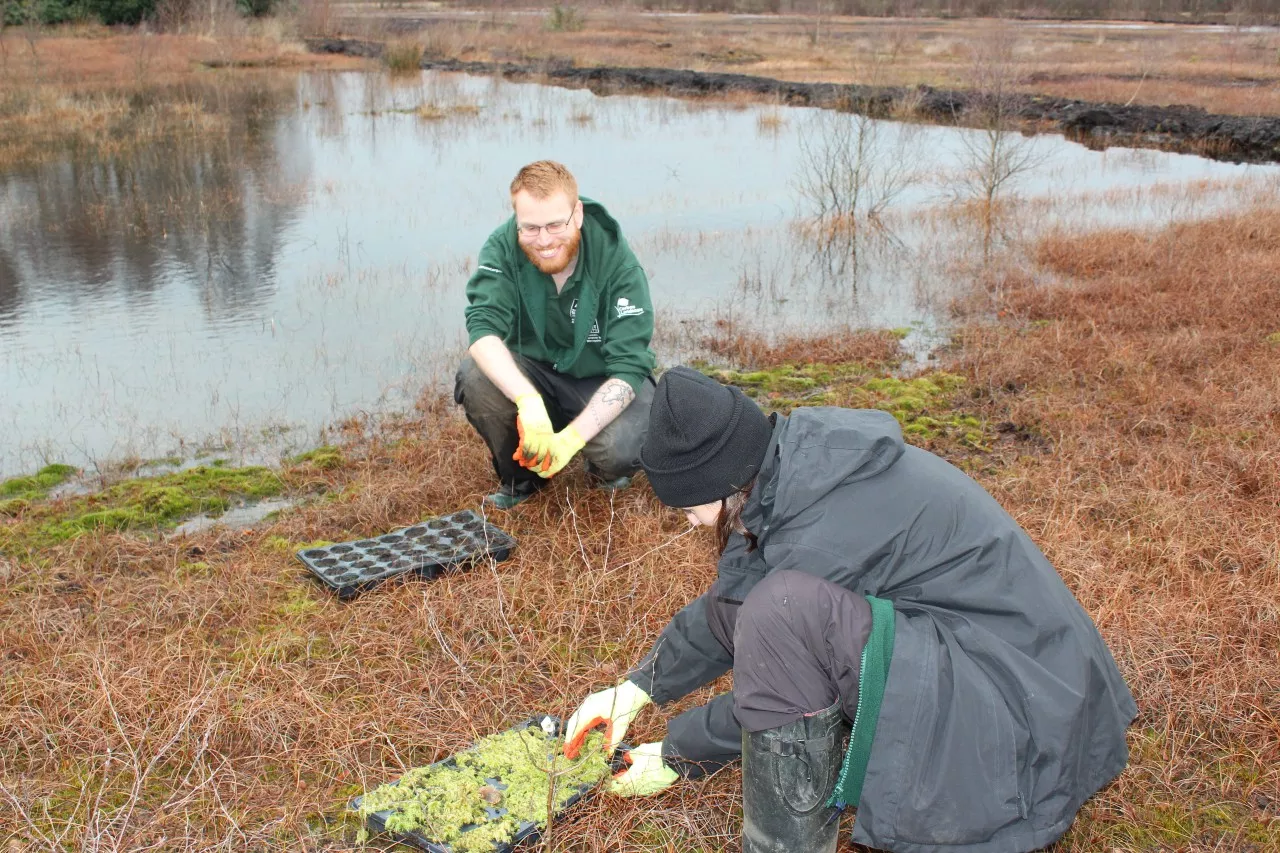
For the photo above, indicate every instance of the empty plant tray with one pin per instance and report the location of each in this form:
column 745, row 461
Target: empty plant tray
column 427, row 549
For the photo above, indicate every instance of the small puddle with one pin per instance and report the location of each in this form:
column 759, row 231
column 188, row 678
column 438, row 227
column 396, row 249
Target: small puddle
column 243, row 515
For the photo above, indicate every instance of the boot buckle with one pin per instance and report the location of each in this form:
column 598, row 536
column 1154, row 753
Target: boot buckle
column 800, row 746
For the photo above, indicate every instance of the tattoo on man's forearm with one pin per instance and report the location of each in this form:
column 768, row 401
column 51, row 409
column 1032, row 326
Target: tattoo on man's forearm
column 614, row 396
column 617, row 393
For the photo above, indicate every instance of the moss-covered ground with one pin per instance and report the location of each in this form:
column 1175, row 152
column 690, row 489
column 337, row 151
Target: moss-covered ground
column 933, row 407
column 18, row 493
column 151, row 503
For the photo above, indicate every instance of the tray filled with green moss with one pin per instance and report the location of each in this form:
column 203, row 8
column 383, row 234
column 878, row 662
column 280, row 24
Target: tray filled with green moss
column 492, row 796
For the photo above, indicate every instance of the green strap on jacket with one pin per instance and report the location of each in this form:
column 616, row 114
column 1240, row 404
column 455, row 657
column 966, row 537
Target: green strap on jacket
column 876, row 655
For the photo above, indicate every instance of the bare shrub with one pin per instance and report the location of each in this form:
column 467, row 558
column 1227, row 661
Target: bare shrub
column 315, row 18
column 172, row 15
column 852, row 166
column 402, row 56
column 212, row 18
column 997, row 155
column 565, row 19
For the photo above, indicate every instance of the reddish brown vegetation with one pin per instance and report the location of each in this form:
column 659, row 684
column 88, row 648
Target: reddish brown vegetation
column 267, row 703
column 106, row 92
column 1152, row 372
column 204, row 694
column 96, row 59
column 745, row 349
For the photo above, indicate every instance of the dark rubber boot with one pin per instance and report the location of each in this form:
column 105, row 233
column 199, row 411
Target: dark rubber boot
column 788, row 773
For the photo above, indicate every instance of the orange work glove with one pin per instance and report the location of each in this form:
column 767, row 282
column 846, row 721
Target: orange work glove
column 646, row 773
column 534, row 425
column 560, row 449
column 615, row 707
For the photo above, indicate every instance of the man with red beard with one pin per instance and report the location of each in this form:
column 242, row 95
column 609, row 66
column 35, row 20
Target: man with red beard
column 559, row 320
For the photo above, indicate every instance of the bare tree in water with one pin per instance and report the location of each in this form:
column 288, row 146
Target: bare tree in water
column 852, row 168
column 993, row 158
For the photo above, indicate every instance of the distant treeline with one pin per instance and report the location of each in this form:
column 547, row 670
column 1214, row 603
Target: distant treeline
column 23, row 12
column 1234, row 12
column 18, row 12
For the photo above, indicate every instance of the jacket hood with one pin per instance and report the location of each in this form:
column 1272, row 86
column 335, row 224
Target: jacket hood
column 601, row 233
column 815, row 450
column 595, row 212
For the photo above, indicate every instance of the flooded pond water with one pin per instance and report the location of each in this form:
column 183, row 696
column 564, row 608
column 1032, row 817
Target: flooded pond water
column 245, row 289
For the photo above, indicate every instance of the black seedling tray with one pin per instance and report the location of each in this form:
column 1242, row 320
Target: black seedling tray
column 526, row 831
column 426, row 549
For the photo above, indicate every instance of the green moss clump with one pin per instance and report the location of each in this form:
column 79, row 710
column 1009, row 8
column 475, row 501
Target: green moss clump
column 324, row 458
column 438, row 801
column 788, row 380
column 151, row 503
column 924, row 405
column 38, row 484
column 1274, row 338
column 13, row 506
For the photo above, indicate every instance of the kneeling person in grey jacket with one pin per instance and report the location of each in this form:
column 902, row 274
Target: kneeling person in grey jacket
column 898, row 643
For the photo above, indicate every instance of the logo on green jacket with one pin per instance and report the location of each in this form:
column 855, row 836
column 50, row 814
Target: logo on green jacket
column 626, row 309
column 593, row 336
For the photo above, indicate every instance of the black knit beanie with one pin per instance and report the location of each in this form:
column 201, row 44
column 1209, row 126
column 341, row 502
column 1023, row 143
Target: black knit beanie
column 706, row 440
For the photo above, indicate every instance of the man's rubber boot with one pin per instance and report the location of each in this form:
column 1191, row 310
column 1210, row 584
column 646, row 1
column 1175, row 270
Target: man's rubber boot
column 614, row 485
column 510, row 496
column 788, row 774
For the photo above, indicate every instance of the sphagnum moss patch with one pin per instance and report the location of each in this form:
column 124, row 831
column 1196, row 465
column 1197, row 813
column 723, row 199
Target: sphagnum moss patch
column 440, row 800
column 18, row 493
column 325, row 458
column 145, row 504
column 924, row 404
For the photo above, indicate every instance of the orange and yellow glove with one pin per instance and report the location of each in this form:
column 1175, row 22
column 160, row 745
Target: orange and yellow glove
column 614, row 708
column 560, row 449
column 534, row 425
column 646, row 774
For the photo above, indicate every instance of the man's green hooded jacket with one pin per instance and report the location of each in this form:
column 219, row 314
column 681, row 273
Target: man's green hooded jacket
column 600, row 324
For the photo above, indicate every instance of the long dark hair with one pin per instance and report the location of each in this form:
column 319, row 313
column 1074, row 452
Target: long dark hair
column 730, row 520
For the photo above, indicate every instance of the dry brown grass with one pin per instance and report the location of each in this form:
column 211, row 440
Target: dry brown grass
column 103, row 91
column 1228, row 71
column 204, row 694
column 99, row 58
column 728, row 343
column 1156, row 373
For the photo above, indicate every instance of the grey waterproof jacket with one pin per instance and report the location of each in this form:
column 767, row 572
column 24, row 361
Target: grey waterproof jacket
column 1003, row 710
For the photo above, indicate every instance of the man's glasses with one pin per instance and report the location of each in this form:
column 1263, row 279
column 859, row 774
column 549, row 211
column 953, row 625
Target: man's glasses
column 555, row 229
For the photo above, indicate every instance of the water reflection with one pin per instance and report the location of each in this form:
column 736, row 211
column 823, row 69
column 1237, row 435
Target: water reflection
column 835, row 255
column 305, row 261
column 205, row 212
column 9, row 296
